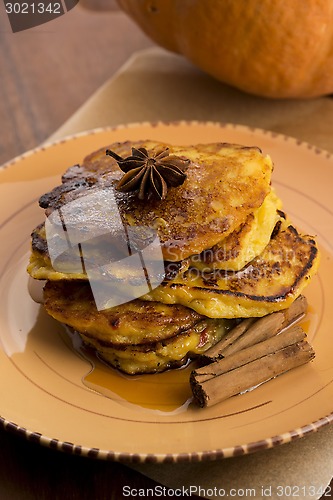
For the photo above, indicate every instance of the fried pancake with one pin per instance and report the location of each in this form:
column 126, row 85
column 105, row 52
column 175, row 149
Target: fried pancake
column 271, row 282
column 245, row 243
column 224, row 184
column 40, row 266
column 159, row 356
column 137, row 337
column 136, row 322
column 232, row 253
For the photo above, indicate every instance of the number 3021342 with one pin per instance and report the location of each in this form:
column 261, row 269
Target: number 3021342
column 33, row 8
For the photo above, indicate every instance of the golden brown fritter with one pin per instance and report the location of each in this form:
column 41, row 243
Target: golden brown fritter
column 224, row 184
column 159, row 356
column 136, row 337
column 40, row 266
column 246, row 242
column 232, row 253
column 228, row 253
column 271, row 282
column 135, row 322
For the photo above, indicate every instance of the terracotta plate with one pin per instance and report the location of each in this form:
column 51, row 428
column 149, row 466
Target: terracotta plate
column 51, row 393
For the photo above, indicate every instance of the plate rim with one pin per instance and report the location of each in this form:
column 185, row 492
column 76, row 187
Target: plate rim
column 97, row 130
column 176, row 457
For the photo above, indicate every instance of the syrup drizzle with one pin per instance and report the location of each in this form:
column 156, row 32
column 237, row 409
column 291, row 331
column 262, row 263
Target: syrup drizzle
column 167, row 392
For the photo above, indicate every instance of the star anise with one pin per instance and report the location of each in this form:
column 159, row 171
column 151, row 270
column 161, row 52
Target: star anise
column 150, row 175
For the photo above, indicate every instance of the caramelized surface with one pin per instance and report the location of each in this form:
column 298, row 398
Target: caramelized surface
column 245, row 243
column 136, row 322
column 136, row 337
column 271, row 282
column 159, row 356
column 224, row 184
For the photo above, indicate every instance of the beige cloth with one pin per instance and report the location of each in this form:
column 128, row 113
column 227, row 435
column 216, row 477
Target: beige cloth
column 155, row 85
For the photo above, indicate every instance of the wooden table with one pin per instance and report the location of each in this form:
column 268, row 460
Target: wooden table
column 46, row 74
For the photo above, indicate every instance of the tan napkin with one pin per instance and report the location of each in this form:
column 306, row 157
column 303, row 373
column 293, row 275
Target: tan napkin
column 156, row 85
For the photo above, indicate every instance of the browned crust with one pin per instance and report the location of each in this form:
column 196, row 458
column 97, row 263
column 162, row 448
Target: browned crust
column 135, row 322
column 208, row 206
column 264, row 298
column 283, row 268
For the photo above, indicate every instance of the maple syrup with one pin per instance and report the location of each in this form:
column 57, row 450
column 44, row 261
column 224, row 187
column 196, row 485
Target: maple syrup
column 167, row 392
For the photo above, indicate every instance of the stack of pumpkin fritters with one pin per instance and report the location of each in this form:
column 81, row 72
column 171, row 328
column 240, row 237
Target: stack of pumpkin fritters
column 229, row 253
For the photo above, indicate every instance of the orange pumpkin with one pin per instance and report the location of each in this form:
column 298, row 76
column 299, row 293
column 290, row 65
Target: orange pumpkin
column 273, row 48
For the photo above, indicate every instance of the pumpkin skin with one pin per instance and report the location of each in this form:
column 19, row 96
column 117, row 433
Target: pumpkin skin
column 272, row 48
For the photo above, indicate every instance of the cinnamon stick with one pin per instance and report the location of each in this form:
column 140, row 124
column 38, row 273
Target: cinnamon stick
column 295, row 311
column 211, row 389
column 253, row 330
column 214, row 352
column 286, row 338
column 260, row 330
